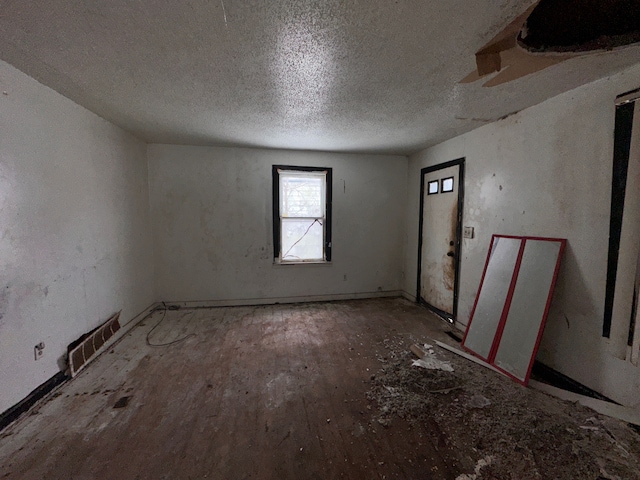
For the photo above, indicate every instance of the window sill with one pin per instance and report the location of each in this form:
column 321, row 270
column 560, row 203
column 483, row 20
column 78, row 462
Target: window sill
column 320, row 263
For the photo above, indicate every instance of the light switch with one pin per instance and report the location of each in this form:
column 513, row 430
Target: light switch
column 467, row 232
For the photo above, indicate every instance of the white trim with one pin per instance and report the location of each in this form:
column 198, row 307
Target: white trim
column 317, row 263
column 460, row 326
column 468, row 357
column 273, row 300
column 137, row 319
column 408, row 296
column 626, row 414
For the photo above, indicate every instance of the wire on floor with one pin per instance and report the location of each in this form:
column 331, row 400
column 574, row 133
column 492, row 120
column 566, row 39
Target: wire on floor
column 164, row 314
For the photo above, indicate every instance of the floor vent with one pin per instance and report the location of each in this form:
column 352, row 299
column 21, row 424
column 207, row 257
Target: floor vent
column 86, row 347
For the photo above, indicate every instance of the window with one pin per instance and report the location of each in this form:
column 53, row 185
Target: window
column 447, row 184
column 433, row 187
column 301, row 214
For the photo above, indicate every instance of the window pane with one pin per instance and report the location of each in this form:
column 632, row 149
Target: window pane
column 433, row 187
column 302, row 240
column 447, row 184
column 302, row 195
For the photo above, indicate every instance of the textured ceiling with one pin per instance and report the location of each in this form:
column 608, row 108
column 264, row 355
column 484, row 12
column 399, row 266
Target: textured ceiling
column 335, row 75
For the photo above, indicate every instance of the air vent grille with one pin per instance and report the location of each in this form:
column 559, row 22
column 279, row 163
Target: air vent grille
column 90, row 344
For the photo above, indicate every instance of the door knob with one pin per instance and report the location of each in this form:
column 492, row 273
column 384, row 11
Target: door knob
column 451, row 254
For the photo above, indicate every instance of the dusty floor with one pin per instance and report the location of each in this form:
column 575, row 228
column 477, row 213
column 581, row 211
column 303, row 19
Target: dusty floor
column 311, row 391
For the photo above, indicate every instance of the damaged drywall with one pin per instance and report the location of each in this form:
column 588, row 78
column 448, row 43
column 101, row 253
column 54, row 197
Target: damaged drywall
column 581, row 25
column 546, row 159
column 552, row 31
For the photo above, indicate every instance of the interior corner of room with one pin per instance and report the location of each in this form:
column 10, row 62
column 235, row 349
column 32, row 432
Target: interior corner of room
column 106, row 207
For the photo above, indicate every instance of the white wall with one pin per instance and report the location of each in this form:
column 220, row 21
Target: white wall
column 545, row 171
column 212, row 224
column 75, row 243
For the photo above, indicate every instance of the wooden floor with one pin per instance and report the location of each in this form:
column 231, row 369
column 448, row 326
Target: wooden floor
column 308, row 391
column 257, row 392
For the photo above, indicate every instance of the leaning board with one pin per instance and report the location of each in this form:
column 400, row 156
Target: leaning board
column 513, row 302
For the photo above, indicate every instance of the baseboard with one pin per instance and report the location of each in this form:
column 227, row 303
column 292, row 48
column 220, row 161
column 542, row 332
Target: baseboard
column 626, row 414
column 460, row 326
column 13, row 413
column 548, row 375
column 456, row 324
column 408, row 296
column 242, row 302
column 125, row 327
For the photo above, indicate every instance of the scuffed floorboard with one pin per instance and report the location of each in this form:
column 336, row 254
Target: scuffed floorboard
column 313, row 391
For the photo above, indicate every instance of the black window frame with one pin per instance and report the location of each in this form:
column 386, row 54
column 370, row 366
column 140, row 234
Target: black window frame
column 436, row 183
column 276, row 211
column 442, row 190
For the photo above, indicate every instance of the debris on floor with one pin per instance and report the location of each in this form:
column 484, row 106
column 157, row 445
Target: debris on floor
column 122, row 402
column 478, row 401
column 432, row 364
column 429, row 360
column 497, row 428
column 278, row 382
column 626, row 414
column 483, row 462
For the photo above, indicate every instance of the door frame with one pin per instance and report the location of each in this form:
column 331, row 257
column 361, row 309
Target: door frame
column 456, row 281
column 623, row 131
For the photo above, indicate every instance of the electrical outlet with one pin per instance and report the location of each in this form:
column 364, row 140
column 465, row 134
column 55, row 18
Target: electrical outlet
column 467, row 232
column 38, row 351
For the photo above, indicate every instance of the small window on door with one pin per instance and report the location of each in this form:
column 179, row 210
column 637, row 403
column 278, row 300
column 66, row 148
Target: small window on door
column 447, row 185
column 433, row 187
column 301, row 214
